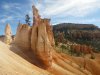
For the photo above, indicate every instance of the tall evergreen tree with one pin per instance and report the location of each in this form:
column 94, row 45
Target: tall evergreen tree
column 27, row 19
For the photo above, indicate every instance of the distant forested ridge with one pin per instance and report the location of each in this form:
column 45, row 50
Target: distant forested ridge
column 87, row 34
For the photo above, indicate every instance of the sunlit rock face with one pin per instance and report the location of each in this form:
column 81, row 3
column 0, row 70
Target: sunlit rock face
column 36, row 17
column 22, row 38
column 40, row 45
column 49, row 31
column 41, row 42
column 8, row 34
column 38, row 38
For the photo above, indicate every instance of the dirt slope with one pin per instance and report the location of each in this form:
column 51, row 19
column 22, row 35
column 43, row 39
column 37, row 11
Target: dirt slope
column 92, row 65
column 12, row 64
column 14, row 61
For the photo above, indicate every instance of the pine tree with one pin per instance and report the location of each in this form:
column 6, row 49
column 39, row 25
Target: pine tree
column 27, row 19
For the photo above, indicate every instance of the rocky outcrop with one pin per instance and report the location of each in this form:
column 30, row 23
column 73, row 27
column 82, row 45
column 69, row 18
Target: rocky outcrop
column 40, row 45
column 22, row 38
column 41, row 42
column 36, row 17
column 38, row 38
column 8, row 34
column 49, row 31
column 34, row 35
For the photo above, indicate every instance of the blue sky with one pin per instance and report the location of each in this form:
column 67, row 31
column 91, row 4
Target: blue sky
column 60, row 11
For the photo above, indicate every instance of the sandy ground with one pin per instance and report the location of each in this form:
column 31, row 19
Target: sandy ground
column 13, row 64
column 15, row 61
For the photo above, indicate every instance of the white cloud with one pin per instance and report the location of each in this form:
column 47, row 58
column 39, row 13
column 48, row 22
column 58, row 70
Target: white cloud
column 9, row 6
column 8, row 18
column 6, row 6
column 76, row 8
column 72, row 11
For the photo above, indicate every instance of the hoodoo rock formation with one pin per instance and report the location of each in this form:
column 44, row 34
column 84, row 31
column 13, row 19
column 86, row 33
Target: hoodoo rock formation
column 41, row 42
column 38, row 38
column 49, row 31
column 33, row 50
column 8, row 34
column 22, row 38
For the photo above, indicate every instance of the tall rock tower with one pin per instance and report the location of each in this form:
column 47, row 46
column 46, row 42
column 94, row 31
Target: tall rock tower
column 36, row 17
column 40, row 42
column 8, row 34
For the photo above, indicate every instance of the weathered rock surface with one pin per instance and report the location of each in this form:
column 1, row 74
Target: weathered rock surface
column 38, row 38
column 34, row 38
column 49, row 31
column 36, row 17
column 22, row 38
column 44, row 48
column 8, row 34
column 41, row 42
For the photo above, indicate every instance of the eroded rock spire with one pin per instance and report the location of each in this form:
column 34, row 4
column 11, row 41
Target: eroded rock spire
column 36, row 17
column 8, row 34
column 40, row 42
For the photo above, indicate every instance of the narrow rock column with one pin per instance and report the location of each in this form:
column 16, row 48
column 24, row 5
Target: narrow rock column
column 40, row 42
column 8, row 34
column 44, row 48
